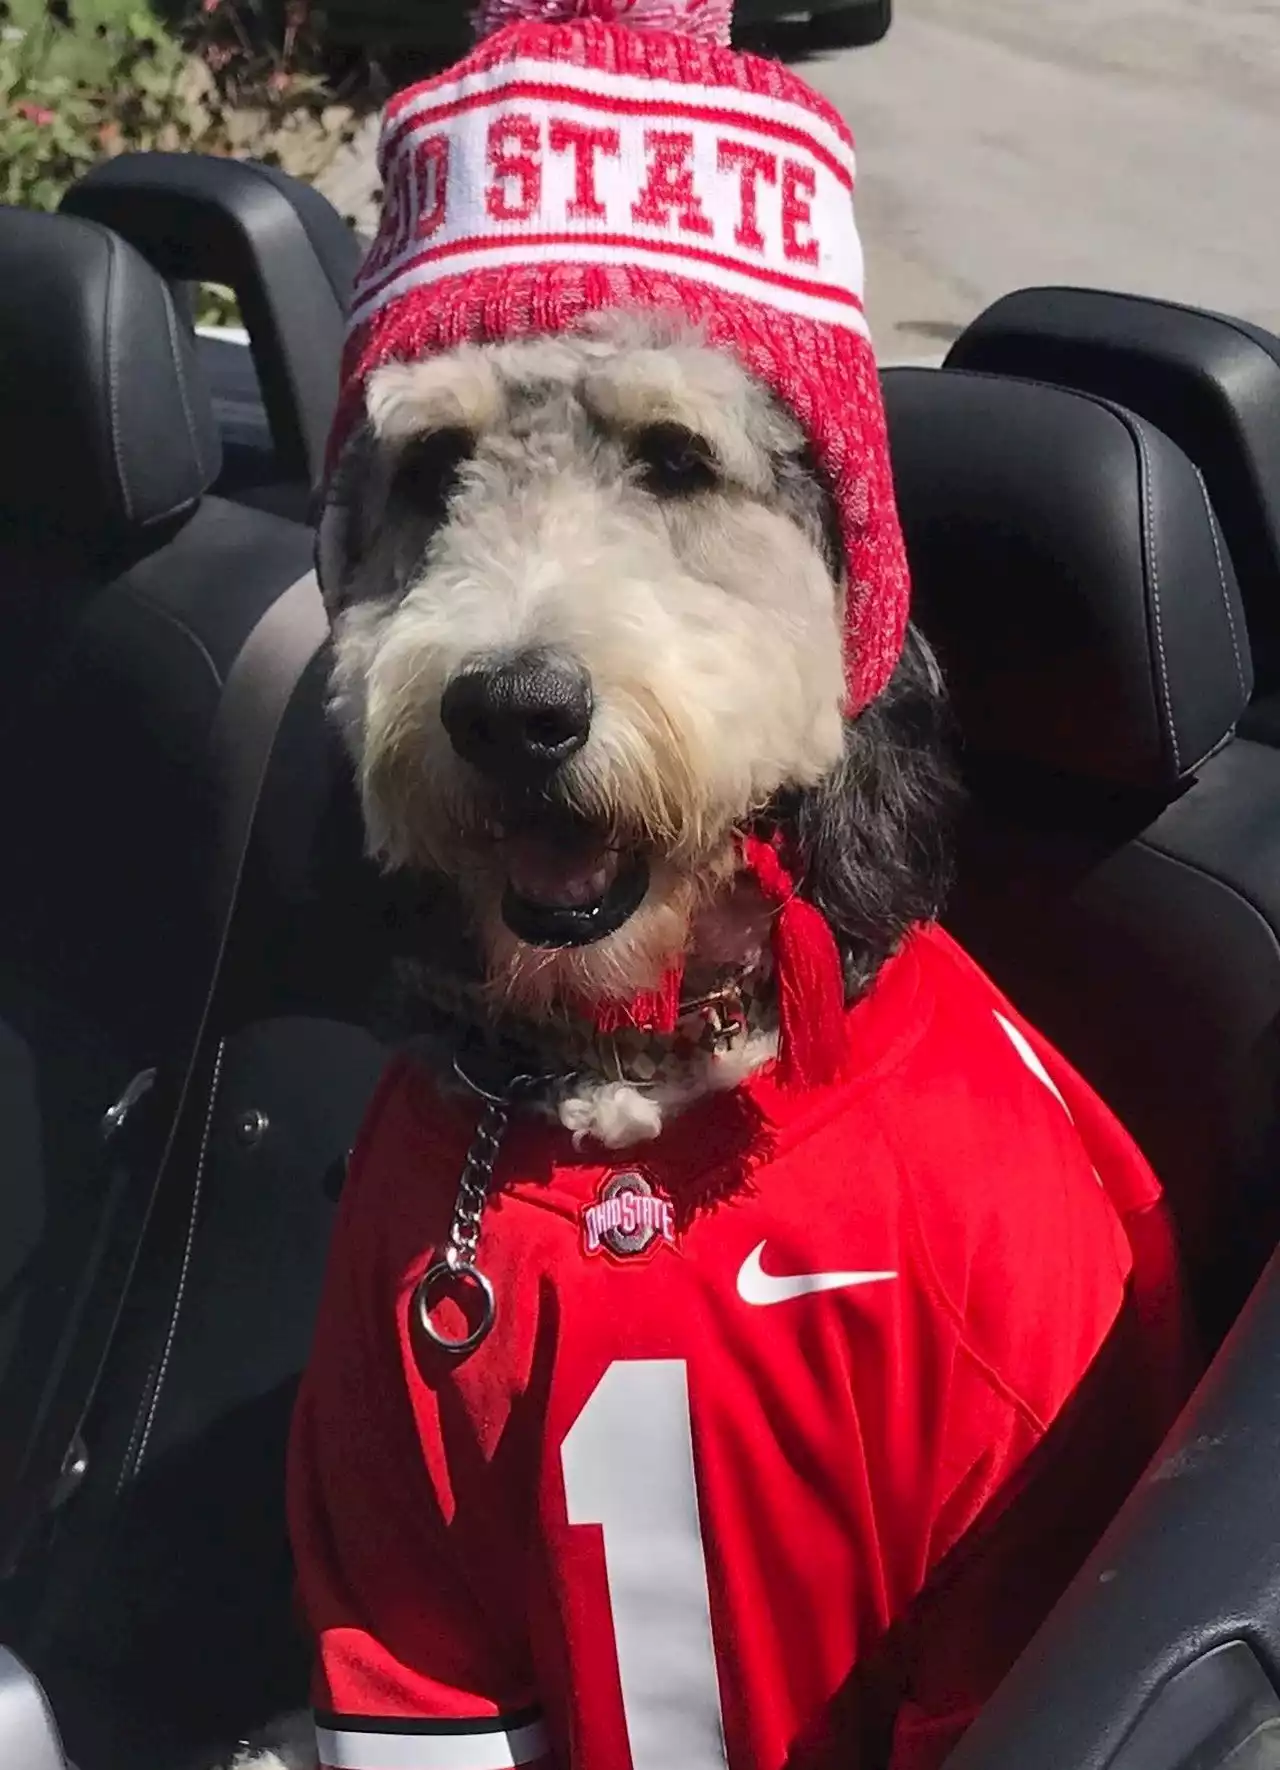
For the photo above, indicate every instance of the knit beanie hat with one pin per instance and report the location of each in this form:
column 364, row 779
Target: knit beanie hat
column 593, row 154
column 617, row 153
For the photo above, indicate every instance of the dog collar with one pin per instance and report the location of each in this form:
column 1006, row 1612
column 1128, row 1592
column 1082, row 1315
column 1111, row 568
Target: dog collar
column 452, row 1023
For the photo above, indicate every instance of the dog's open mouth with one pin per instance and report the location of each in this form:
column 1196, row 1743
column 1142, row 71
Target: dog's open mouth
column 569, row 889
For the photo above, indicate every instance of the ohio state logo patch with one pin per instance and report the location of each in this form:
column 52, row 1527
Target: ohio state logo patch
column 628, row 1218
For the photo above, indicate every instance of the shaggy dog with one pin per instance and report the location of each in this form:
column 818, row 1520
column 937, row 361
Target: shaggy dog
column 729, row 1286
column 587, row 613
column 578, row 766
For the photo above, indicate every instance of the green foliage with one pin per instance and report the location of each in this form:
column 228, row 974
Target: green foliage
column 81, row 80
column 217, row 306
column 54, row 122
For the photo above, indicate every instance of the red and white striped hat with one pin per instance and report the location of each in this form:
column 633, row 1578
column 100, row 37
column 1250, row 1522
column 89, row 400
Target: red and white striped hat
column 595, row 154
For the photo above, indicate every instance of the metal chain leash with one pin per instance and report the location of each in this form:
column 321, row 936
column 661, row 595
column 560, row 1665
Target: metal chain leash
column 456, row 1270
column 473, row 1187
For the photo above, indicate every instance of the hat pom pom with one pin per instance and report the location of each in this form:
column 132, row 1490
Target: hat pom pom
column 708, row 19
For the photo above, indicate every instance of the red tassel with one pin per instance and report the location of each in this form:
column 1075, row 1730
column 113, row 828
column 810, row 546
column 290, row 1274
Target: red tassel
column 655, row 1010
column 808, row 974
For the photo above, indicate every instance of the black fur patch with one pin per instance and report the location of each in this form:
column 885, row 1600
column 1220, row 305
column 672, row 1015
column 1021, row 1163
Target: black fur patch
column 873, row 842
column 393, row 502
column 806, row 498
column 673, row 461
column 425, row 474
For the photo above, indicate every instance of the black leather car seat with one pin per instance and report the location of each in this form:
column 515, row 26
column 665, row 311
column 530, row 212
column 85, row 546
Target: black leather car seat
column 1114, row 878
column 1209, row 381
column 126, row 593
column 290, row 260
column 1121, row 865
column 1066, row 565
column 1047, row 534
column 160, row 1620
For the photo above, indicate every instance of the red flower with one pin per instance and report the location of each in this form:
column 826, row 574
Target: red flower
column 35, row 113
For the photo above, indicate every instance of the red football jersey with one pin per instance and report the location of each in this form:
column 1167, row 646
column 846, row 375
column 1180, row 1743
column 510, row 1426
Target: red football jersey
column 747, row 1389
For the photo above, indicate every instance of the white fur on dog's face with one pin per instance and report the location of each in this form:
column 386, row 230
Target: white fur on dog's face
column 521, row 497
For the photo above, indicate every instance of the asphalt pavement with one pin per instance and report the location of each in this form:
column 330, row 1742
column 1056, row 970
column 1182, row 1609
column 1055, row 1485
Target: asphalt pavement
column 1127, row 144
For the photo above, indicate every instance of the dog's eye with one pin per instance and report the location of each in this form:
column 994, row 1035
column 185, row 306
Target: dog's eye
column 426, row 471
column 673, row 461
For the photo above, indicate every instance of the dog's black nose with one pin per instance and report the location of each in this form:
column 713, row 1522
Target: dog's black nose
column 521, row 718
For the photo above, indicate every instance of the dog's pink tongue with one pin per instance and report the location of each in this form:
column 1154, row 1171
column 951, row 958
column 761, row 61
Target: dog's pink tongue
column 556, row 876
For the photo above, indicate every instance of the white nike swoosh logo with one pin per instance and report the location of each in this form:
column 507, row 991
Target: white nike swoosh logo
column 759, row 1287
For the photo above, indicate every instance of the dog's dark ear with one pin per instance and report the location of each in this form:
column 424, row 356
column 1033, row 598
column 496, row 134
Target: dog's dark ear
column 873, row 841
column 803, row 489
column 340, row 537
column 824, row 516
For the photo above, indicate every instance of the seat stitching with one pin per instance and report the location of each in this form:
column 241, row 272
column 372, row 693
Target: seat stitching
column 1222, row 578
column 1133, row 425
column 1149, row 540
column 126, row 1462
column 180, row 373
column 185, row 1269
column 1153, row 845
column 112, row 391
column 144, row 600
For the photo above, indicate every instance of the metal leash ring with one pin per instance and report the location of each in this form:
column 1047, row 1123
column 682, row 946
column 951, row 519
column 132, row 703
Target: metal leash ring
column 428, row 1292
column 457, row 1265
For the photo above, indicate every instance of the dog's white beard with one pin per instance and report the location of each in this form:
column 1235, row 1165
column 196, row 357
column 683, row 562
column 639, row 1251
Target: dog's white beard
column 617, row 1114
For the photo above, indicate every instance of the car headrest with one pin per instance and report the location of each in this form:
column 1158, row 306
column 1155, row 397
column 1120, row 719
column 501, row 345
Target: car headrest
column 1067, row 565
column 1210, row 382
column 106, row 423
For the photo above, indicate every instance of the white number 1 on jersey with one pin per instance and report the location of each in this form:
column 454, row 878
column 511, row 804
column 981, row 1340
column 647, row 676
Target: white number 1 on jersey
column 628, row 1467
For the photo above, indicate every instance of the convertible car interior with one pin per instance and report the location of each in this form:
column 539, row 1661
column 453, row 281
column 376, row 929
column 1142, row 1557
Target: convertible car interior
column 192, row 947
